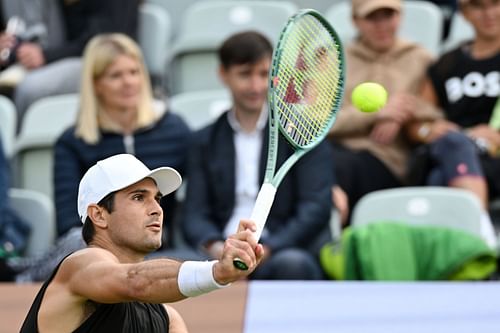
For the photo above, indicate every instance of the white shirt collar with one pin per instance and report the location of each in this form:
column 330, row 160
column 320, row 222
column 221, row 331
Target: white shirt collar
column 235, row 124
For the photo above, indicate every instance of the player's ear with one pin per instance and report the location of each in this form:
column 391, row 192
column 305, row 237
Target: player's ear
column 97, row 215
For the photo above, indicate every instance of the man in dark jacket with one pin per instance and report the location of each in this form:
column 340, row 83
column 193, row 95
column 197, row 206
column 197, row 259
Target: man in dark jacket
column 226, row 168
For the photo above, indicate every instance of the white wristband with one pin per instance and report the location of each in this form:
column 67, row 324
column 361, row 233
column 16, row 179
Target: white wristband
column 196, row 278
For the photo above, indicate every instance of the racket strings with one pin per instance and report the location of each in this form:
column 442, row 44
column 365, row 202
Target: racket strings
column 310, row 84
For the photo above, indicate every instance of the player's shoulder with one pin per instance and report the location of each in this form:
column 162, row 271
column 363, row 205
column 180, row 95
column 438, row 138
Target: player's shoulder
column 93, row 254
column 82, row 258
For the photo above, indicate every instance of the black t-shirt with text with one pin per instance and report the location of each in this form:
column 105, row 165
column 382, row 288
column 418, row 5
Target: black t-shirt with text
column 467, row 88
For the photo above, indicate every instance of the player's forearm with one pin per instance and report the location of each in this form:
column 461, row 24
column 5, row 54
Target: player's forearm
column 164, row 280
column 154, row 281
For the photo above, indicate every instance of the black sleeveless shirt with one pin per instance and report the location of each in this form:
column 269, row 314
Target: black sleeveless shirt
column 127, row 317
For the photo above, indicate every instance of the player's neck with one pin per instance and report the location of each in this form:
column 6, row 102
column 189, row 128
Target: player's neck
column 124, row 255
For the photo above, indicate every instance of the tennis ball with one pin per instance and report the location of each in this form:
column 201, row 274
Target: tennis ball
column 369, row 96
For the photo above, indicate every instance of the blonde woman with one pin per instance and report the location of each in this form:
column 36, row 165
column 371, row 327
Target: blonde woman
column 116, row 116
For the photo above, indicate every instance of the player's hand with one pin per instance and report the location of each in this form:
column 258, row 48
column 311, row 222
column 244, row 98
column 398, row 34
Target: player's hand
column 215, row 249
column 241, row 245
column 30, row 55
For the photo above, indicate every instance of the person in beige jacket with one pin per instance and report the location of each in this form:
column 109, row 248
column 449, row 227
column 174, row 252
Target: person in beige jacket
column 371, row 151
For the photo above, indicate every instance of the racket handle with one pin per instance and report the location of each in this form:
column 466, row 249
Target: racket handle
column 260, row 212
column 262, row 207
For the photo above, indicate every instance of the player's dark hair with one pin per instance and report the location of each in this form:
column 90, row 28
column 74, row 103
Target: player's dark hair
column 88, row 230
column 246, row 47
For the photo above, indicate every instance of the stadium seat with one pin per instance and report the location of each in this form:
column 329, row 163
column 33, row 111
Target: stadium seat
column 319, row 5
column 175, row 9
column 205, row 25
column 199, row 108
column 8, row 125
column 391, row 213
column 443, row 206
column 37, row 210
column 42, row 124
column 460, row 31
column 154, row 38
column 422, row 22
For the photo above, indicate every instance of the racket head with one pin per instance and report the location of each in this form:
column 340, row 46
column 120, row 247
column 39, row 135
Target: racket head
column 306, row 81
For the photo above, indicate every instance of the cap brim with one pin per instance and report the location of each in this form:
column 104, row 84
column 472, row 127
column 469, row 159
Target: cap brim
column 167, row 179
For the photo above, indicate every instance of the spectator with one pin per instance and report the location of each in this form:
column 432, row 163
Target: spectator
column 370, row 150
column 464, row 85
column 226, row 168
column 116, row 116
column 54, row 68
column 25, row 21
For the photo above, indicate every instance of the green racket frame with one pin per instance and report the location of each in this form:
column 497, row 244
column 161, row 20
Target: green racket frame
column 272, row 180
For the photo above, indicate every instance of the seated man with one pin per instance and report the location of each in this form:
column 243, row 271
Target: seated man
column 226, row 168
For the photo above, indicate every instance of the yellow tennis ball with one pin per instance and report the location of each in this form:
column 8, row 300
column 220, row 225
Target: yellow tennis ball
column 369, row 96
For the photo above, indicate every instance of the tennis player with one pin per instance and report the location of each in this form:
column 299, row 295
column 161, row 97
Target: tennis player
column 108, row 286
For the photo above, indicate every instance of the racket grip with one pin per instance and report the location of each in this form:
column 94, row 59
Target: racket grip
column 262, row 207
column 260, row 212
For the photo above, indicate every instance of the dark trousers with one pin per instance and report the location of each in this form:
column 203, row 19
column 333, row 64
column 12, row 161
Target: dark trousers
column 359, row 173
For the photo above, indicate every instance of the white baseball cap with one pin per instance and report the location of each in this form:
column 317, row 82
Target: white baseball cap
column 117, row 172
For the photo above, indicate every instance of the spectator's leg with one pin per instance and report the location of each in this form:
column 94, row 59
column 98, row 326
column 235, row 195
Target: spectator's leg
column 359, row 173
column 289, row 264
column 458, row 159
column 459, row 165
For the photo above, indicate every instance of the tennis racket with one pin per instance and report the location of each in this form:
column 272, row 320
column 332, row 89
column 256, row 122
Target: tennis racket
column 306, row 85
